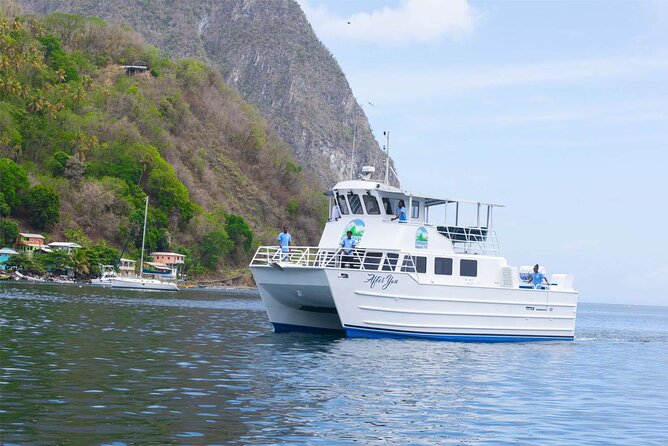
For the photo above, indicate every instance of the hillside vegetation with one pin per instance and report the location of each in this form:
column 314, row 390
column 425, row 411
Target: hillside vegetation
column 268, row 51
column 96, row 141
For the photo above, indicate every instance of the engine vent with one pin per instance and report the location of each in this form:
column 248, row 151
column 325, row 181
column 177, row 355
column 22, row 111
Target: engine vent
column 507, row 277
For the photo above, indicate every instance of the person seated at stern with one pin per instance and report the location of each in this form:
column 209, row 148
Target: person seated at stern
column 536, row 278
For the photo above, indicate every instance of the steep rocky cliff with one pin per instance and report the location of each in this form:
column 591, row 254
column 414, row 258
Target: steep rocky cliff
column 269, row 52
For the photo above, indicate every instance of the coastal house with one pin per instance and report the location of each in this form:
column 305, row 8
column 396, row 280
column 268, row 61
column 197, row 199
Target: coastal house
column 171, row 259
column 127, row 268
column 5, row 254
column 63, row 246
column 29, row 243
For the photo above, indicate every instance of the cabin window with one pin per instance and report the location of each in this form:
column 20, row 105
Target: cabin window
column 408, row 266
column 388, row 206
column 372, row 260
column 355, row 203
column 414, row 264
column 390, row 262
column 443, row 266
column 468, row 268
column 371, row 204
column 415, row 209
column 420, row 264
column 343, row 207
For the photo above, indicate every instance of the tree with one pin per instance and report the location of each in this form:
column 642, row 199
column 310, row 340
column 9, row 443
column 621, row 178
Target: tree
column 9, row 231
column 214, row 245
column 96, row 255
column 43, row 206
column 239, row 232
column 80, row 262
column 55, row 261
column 76, row 235
column 13, row 183
column 58, row 162
column 4, row 207
column 24, row 263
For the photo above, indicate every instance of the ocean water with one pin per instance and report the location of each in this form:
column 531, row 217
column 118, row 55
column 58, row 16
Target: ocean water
column 81, row 365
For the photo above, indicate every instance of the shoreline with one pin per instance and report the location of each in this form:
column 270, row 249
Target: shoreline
column 228, row 290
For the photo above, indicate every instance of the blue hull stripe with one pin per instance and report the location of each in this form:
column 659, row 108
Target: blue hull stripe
column 283, row 328
column 366, row 332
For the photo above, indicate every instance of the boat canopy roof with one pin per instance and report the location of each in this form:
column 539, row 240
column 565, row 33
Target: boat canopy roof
column 388, row 190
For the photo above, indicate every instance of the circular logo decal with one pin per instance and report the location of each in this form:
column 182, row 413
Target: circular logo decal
column 356, row 227
column 421, row 238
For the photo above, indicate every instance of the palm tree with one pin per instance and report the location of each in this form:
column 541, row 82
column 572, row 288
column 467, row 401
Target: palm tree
column 80, row 262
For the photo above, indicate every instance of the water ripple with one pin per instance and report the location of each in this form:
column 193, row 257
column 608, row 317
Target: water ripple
column 92, row 366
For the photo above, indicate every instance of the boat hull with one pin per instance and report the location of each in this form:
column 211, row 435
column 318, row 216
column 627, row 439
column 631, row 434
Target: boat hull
column 397, row 305
column 143, row 284
column 296, row 298
column 101, row 282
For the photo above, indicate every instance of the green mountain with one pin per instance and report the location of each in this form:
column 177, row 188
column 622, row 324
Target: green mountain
column 268, row 51
column 77, row 124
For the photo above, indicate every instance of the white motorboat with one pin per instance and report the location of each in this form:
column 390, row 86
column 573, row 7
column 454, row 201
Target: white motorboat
column 141, row 283
column 443, row 281
column 108, row 272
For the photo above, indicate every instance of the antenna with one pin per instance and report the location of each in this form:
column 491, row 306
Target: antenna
column 352, row 158
column 387, row 161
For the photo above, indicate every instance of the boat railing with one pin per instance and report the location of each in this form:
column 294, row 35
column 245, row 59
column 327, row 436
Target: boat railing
column 358, row 258
column 471, row 240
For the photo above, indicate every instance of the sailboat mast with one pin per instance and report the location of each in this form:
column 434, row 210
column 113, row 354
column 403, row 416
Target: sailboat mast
column 143, row 240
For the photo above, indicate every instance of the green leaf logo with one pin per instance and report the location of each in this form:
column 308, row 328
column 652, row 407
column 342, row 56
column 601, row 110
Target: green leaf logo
column 421, row 238
column 356, row 227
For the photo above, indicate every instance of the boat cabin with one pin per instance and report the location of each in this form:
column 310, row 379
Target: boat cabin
column 370, row 209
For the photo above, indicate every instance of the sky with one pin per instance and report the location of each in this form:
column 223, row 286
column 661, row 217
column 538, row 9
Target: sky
column 556, row 109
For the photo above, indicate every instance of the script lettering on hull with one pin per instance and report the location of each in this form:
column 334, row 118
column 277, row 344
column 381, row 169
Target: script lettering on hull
column 383, row 282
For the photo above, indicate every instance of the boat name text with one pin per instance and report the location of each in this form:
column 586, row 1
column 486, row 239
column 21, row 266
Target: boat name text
column 383, row 282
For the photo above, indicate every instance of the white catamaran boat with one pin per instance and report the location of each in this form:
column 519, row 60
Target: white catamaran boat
column 416, row 279
column 142, row 283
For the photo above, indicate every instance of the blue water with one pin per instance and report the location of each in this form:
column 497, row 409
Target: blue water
column 92, row 366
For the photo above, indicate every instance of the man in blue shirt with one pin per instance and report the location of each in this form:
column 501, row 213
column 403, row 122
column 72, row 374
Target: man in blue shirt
column 536, row 277
column 401, row 212
column 348, row 243
column 284, row 240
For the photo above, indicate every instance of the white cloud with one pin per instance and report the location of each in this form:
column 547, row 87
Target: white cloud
column 412, row 21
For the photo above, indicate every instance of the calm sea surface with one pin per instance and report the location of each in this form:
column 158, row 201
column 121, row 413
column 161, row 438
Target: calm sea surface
column 81, row 365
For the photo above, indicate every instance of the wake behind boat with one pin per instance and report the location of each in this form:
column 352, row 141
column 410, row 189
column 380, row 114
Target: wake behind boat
column 410, row 277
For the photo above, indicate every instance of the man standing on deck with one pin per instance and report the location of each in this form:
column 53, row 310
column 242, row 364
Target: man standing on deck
column 284, row 239
column 401, row 212
column 348, row 244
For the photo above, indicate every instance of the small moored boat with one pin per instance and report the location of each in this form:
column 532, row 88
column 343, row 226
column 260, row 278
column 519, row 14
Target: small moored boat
column 142, row 283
